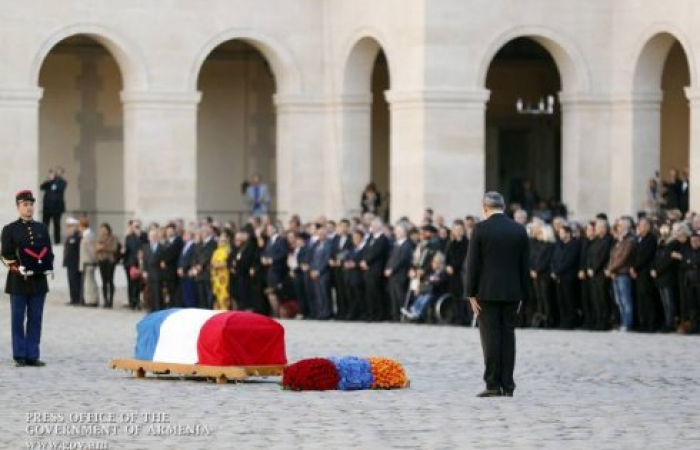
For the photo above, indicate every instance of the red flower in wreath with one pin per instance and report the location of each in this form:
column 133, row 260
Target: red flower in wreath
column 315, row 374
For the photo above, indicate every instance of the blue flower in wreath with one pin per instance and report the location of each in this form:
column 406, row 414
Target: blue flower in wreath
column 355, row 373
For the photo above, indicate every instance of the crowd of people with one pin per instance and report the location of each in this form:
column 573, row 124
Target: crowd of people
column 630, row 274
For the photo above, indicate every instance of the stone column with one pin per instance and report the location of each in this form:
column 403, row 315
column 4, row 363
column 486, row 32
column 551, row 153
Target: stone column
column 437, row 152
column 635, row 149
column 160, row 154
column 304, row 174
column 693, row 95
column 19, row 147
column 351, row 155
column 587, row 153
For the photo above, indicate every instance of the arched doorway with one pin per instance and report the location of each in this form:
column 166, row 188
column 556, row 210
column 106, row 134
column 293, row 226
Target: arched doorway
column 661, row 118
column 366, row 122
column 523, row 124
column 236, row 129
column 81, row 127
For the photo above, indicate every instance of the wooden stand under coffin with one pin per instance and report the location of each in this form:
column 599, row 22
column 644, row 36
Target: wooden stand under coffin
column 222, row 374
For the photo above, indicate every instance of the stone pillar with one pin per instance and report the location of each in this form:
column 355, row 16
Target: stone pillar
column 586, row 154
column 304, row 174
column 160, row 154
column 351, row 158
column 19, row 147
column 437, row 152
column 635, row 149
column 693, row 95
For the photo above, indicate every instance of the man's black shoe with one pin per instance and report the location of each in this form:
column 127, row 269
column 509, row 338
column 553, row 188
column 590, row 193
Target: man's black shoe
column 507, row 393
column 20, row 363
column 490, row 393
column 35, row 363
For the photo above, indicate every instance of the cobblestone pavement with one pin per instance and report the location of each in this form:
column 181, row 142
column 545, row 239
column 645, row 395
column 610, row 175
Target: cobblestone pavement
column 575, row 390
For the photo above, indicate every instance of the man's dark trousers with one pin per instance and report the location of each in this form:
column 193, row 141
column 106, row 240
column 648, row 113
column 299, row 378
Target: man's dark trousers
column 25, row 341
column 497, row 322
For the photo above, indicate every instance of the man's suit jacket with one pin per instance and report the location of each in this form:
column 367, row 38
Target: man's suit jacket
column 644, row 256
column 277, row 251
column 186, row 259
column 400, row 259
column 565, row 260
column 54, row 193
column 151, row 262
column 171, row 255
column 375, row 254
column 321, row 256
column 498, row 261
column 203, row 254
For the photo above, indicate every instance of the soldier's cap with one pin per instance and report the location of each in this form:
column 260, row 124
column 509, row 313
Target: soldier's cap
column 24, row 196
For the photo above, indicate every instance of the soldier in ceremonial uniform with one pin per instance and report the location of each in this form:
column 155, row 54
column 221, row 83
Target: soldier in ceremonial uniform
column 26, row 250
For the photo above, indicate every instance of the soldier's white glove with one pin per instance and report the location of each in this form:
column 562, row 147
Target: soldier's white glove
column 23, row 271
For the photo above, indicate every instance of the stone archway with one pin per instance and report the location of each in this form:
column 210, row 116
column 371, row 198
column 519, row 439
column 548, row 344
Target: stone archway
column 81, row 126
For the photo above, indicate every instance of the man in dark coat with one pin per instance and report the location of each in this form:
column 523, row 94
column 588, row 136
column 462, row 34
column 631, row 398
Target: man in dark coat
column 565, row 264
column 172, row 247
column 342, row 242
column 71, row 260
column 354, row 279
column 373, row 262
column 133, row 243
column 202, row 258
column 497, row 282
column 397, row 268
column 54, row 200
column 647, row 302
column 597, row 258
column 27, row 253
column 152, row 271
column 321, row 276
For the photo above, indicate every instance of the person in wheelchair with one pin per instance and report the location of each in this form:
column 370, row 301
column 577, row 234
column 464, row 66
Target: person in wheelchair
column 435, row 284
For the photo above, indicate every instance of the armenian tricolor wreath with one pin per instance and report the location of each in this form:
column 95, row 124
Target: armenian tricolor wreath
column 348, row 373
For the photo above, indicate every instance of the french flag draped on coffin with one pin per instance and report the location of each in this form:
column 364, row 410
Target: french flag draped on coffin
column 212, row 338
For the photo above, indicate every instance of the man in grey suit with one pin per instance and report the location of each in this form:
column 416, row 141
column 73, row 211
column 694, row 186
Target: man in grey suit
column 258, row 196
column 321, row 274
column 496, row 284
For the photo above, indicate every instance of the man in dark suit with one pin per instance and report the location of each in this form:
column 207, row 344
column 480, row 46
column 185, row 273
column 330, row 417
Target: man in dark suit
column 202, row 275
column 320, row 274
column 641, row 273
column 353, row 277
column 54, row 200
column 342, row 242
column 274, row 258
column 373, row 262
column 597, row 258
column 131, row 252
column 172, row 247
column 152, row 271
column 187, row 295
column 397, row 268
column 71, row 260
column 497, row 282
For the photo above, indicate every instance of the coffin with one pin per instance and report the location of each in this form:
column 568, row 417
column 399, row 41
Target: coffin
column 212, row 338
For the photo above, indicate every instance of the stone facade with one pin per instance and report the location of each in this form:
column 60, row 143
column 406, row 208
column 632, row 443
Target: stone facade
column 170, row 118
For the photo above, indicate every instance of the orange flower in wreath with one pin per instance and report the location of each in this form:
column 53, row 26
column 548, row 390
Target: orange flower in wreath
column 388, row 374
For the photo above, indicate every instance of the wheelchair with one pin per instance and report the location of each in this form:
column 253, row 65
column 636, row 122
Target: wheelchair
column 443, row 310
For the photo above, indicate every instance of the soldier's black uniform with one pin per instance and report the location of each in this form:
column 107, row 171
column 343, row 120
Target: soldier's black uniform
column 26, row 250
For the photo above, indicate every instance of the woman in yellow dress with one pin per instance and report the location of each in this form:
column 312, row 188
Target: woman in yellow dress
column 220, row 273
